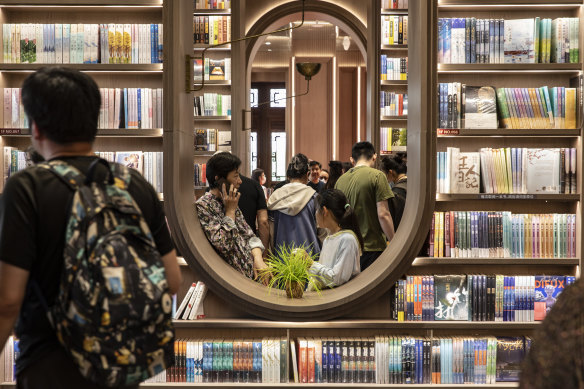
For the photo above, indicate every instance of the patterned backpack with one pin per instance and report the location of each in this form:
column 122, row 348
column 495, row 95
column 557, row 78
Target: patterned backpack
column 113, row 310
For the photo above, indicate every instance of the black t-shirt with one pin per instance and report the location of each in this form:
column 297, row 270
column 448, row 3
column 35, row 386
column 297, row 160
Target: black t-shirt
column 318, row 187
column 251, row 201
column 34, row 210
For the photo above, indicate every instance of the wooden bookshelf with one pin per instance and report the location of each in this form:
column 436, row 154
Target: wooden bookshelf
column 502, row 385
column 199, row 11
column 426, row 261
column 394, row 118
column 393, row 83
column 202, row 46
column 97, row 67
column 442, row 197
column 394, row 11
column 524, row 68
column 215, row 83
column 394, row 47
column 508, row 132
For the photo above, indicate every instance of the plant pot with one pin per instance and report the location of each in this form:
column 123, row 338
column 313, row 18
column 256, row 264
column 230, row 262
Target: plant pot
column 294, row 289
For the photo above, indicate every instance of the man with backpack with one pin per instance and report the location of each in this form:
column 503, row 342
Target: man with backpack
column 85, row 244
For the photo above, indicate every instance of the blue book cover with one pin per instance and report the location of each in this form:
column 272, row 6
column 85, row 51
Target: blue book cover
column 447, row 37
column 155, row 48
column 440, row 40
column 125, row 108
column 139, row 107
column 491, row 55
column 510, row 354
column 547, row 290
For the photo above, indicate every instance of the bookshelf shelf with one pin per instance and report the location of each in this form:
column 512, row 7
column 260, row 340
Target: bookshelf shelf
column 507, row 132
column 440, row 197
column 503, row 5
column 215, row 82
column 394, row 118
column 425, row 261
column 212, row 12
column 525, row 68
column 108, row 132
column 394, row 11
column 394, row 47
column 320, row 385
column 212, row 118
column 202, row 46
column 353, row 324
column 393, row 82
column 96, row 67
column 204, row 153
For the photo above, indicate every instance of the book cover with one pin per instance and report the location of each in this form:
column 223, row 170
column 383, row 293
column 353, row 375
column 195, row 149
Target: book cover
column 450, row 297
column 519, row 46
column 510, row 353
column 223, row 140
column 468, row 173
column 131, row 159
column 547, row 290
column 543, row 170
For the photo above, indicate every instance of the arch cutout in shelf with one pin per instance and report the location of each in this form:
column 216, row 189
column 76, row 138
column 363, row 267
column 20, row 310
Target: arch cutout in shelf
column 190, row 239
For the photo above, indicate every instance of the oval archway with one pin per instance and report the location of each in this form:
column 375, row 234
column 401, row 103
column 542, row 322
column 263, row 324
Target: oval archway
column 379, row 277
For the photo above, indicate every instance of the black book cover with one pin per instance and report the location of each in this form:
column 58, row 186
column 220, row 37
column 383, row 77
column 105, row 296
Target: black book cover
column 510, row 353
column 451, row 297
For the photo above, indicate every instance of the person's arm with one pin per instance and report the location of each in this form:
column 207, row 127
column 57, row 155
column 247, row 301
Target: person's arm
column 259, row 264
column 385, row 219
column 263, row 226
column 220, row 231
column 13, row 282
column 173, row 276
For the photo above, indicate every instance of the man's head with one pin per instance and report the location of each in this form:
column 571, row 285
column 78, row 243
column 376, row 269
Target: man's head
column 298, row 168
column 363, row 152
column 315, row 167
column 223, row 168
column 62, row 106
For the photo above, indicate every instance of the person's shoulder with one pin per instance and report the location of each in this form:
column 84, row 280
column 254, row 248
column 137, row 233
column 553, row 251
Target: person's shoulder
column 26, row 177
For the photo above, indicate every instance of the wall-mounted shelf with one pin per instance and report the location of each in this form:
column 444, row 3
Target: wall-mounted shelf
column 501, row 385
column 212, row 118
column 427, row 261
column 523, row 68
column 202, row 46
column 87, row 67
column 394, row 47
column 507, row 132
column 518, row 196
column 214, row 82
column 388, row 118
column 212, row 12
column 394, row 82
column 394, row 11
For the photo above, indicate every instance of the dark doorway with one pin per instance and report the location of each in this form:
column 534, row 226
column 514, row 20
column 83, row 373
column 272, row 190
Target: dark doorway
column 269, row 129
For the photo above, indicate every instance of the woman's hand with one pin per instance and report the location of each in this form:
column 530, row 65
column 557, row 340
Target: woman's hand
column 230, row 200
column 259, row 265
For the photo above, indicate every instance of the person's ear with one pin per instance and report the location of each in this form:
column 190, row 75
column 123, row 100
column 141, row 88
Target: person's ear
column 35, row 132
column 352, row 161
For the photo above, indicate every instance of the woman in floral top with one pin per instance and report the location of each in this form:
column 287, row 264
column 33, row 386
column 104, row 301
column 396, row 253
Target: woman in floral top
column 222, row 220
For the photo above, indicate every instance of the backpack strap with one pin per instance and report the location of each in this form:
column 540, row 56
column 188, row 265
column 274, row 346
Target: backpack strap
column 70, row 175
column 121, row 175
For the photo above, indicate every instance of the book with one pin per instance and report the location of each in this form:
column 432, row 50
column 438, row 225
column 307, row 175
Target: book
column 510, row 354
column 543, row 170
column 131, row 159
column 547, row 289
column 223, row 140
column 479, row 107
column 450, row 297
column 185, row 301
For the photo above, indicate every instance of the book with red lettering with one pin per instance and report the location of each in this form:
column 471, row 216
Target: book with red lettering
column 547, row 290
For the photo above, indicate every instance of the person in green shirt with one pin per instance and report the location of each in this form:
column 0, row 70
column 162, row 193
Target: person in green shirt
column 364, row 186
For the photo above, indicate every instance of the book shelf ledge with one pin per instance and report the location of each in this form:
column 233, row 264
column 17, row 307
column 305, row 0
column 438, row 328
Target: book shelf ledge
column 161, row 385
column 401, row 117
column 502, row 5
column 518, row 196
column 87, row 67
column 202, row 46
column 65, row 4
column 432, row 261
column 508, row 132
column 527, row 68
column 353, row 324
column 214, row 82
column 393, row 82
column 102, row 132
column 394, row 47
column 215, row 118
column 204, row 153
column 394, row 11
column 198, row 11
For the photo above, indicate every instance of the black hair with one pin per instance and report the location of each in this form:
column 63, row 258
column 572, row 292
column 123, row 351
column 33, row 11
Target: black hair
column 336, row 202
column 395, row 163
column 336, row 170
column 346, row 166
column 298, row 166
column 221, row 165
column 64, row 103
column 32, row 156
column 256, row 174
column 312, row 163
column 325, row 170
column 362, row 149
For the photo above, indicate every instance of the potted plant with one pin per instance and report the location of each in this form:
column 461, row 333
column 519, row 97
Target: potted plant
column 288, row 269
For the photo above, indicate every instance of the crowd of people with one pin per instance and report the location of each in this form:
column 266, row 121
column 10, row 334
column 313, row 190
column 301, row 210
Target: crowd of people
column 345, row 216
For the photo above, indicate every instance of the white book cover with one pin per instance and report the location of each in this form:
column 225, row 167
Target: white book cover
column 102, row 108
column 543, row 170
column 118, row 96
column 135, row 43
column 58, row 43
column 111, row 107
column 199, row 299
column 142, row 47
column 81, row 36
column 94, row 42
column 15, row 108
column 131, row 159
column 38, row 36
column 7, row 113
column 185, row 301
column 66, row 43
column 519, row 46
column 468, row 172
column 73, row 44
column 191, row 303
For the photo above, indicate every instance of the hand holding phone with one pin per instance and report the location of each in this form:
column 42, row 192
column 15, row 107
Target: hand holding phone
column 230, row 199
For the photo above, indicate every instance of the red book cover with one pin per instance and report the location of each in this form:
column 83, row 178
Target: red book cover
column 447, row 234
column 302, row 361
column 310, row 360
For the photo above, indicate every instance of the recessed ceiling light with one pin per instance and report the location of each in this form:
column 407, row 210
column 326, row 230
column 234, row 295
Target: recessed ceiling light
column 269, row 49
column 268, row 43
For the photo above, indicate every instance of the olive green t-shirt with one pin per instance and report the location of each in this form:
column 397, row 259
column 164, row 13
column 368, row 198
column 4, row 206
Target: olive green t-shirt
column 364, row 188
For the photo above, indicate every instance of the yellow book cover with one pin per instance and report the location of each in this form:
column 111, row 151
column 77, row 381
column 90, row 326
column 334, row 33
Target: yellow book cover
column 528, row 236
column 127, row 42
column 436, row 232
column 216, row 30
column 111, row 40
column 220, row 29
column 509, row 174
column 119, row 43
column 441, row 235
column 570, row 108
column 391, row 30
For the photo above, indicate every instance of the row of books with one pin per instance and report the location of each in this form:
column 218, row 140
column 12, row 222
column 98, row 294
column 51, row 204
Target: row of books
column 211, row 139
column 477, row 297
column 191, row 307
column 507, row 170
column 14, row 161
column 262, row 360
column 394, row 68
column 213, row 104
column 533, row 40
column 496, row 234
column 213, row 69
column 211, row 29
column 200, row 178
column 212, row 4
column 394, row 30
column 148, row 163
column 82, row 43
column 450, row 360
column 13, row 114
column 475, row 107
column 393, row 139
column 394, row 4
column 130, row 108
column 393, row 104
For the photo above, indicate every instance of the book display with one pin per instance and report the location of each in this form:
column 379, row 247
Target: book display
column 393, row 84
column 505, row 237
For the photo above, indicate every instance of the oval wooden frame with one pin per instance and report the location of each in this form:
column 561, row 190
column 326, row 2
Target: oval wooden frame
column 178, row 167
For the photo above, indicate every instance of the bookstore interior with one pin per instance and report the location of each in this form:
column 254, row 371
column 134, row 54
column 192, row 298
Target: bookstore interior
column 484, row 96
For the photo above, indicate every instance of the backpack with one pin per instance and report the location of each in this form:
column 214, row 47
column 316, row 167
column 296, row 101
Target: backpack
column 113, row 310
column 397, row 203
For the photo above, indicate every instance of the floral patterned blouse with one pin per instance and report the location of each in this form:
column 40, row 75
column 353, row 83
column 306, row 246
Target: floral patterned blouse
column 232, row 240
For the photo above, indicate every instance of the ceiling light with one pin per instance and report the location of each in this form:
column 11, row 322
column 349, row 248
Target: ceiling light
column 268, row 43
column 346, row 42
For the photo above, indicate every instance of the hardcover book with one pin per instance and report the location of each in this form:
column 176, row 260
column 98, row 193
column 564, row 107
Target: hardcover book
column 519, row 44
column 480, row 107
column 543, row 170
column 510, row 353
column 450, row 298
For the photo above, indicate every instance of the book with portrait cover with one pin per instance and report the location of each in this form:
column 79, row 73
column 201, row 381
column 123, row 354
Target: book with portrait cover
column 547, row 290
column 131, row 159
column 450, row 297
column 510, row 353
